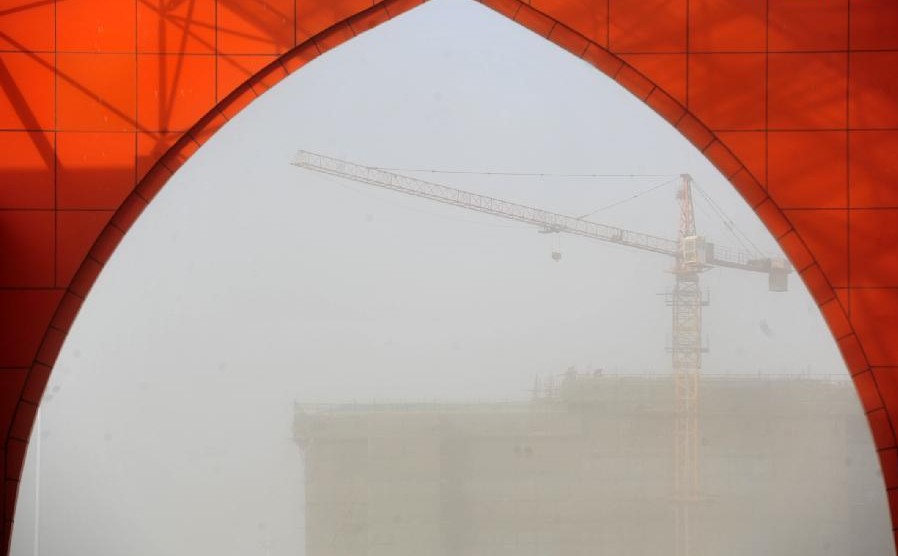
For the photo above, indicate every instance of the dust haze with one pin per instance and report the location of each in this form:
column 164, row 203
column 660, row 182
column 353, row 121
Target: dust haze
column 280, row 363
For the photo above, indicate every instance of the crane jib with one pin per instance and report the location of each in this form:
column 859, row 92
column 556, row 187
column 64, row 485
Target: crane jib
column 692, row 250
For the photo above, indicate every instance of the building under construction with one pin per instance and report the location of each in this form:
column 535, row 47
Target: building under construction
column 692, row 255
column 587, row 467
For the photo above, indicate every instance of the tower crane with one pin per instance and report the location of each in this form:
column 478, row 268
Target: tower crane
column 692, row 255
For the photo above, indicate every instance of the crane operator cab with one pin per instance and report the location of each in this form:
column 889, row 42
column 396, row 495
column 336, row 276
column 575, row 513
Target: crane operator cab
column 694, row 251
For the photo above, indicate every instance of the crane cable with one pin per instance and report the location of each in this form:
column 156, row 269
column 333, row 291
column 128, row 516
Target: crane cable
column 628, row 199
column 551, row 175
column 518, row 174
column 741, row 237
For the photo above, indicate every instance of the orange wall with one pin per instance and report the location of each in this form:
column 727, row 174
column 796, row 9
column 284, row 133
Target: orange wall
column 795, row 101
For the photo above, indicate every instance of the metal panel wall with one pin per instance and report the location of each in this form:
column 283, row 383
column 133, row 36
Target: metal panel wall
column 795, row 101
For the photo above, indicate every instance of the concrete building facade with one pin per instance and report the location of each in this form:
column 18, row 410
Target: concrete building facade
column 587, row 466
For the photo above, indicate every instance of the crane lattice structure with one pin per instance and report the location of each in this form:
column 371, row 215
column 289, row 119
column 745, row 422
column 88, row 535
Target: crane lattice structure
column 692, row 255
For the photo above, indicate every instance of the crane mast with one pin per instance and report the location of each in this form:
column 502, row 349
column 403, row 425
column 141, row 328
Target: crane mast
column 686, row 302
column 692, row 255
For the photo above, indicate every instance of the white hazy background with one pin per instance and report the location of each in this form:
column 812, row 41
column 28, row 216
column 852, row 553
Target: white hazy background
column 249, row 284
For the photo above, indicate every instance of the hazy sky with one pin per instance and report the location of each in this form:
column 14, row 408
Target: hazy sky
column 249, row 283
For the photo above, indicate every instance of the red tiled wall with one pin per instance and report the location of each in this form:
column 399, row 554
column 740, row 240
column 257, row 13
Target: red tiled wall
column 795, row 101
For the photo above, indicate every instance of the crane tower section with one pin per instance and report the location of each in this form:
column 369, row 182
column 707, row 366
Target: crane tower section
column 686, row 302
